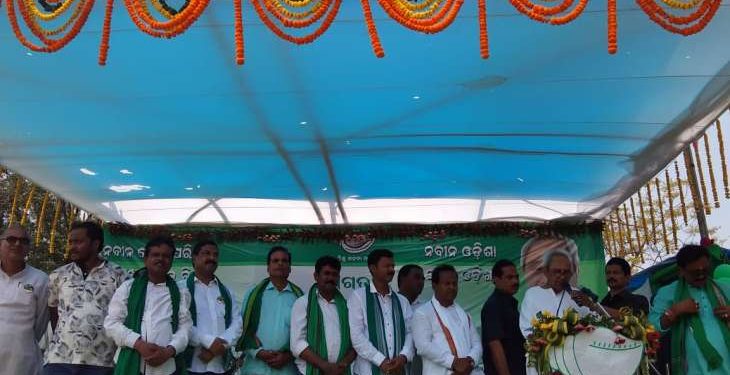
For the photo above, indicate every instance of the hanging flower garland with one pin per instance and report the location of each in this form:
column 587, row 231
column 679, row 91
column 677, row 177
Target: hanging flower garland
column 643, row 217
column 672, row 217
column 298, row 15
column 723, row 162
column 34, row 18
column 713, row 182
column 702, row 13
column 26, row 209
column 16, row 197
column 627, row 223
column 555, row 15
column 681, row 192
column 54, row 226
column 705, row 199
column 661, row 215
column 40, row 218
column 372, row 29
column 651, row 213
column 639, row 245
column 177, row 24
column 612, row 27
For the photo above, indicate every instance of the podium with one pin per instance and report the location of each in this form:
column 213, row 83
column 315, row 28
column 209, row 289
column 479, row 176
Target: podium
column 597, row 353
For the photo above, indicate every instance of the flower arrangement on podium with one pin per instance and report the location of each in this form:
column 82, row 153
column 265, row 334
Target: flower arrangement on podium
column 592, row 344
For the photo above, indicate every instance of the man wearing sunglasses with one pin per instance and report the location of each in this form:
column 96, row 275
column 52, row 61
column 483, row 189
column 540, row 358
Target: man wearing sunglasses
column 23, row 301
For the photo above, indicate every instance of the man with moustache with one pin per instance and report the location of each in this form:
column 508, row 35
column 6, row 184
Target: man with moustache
column 149, row 317
column 695, row 312
column 320, row 332
column 554, row 297
column 443, row 332
column 503, row 343
column 266, row 319
column 410, row 283
column 618, row 275
column 80, row 293
column 380, row 321
column 215, row 313
column 23, row 305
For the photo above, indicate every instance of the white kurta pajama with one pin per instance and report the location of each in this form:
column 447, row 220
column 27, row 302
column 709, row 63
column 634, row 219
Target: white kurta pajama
column 538, row 299
column 331, row 323
column 430, row 338
column 23, row 320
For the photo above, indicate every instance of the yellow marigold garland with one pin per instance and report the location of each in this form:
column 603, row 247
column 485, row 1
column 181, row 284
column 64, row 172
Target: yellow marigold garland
column 54, row 226
column 26, row 210
column 723, row 162
column 698, row 167
column 661, row 215
column 713, row 182
column 629, row 240
column 651, row 213
column 41, row 217
column 681, row 192
column 643, row 217
column 671, row 208
column 16, row 197
column 639, row 245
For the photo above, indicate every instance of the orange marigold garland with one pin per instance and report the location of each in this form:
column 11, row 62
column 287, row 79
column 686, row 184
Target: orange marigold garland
column 280, row 12
column 372, row 30
column 723, row 163
column 483, row 37
column 32, row 16
column 713, row 182
column 682, row 204
column 238, row 31
column 550, row 14
column 698, row 165
column 105, row 33
column 140, row 14
column 612, row 27
column 692, row 23
column 423, row 22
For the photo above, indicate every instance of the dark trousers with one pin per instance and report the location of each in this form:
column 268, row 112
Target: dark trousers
column 69, row 369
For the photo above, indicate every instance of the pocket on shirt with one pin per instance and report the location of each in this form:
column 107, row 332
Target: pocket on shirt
column 24, row 297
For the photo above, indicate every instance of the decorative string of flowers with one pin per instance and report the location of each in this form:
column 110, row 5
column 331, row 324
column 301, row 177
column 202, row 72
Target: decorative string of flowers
column 54, row 226
column 651, row 213
column 41, row 217
column 723, row 162
column 26, row 209
column 682, row 203
column 713, row 183
column 671, row 208
column 639, row 243
column 54, row 24
column 661, row 215
column 705, row 199
column 627, row 223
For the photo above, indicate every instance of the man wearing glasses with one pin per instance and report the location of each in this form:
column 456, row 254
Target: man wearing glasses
column 23, row 305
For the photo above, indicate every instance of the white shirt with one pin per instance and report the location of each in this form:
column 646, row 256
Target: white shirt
column 368, row 355
column 211, row 323
column 430, row 339
column 156, row 323
column 539, row 299
column 23, row 320
column 298, row 331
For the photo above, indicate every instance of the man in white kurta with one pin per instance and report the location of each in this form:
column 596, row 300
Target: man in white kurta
column 554, row 297
column 444, row 334
column 23, row 301
column 392, row 359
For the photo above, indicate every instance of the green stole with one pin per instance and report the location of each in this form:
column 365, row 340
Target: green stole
column 129, row 360
column 315, row 329
column 252, row 313
column 190, row 283
column 376, row 326
column 678, row 332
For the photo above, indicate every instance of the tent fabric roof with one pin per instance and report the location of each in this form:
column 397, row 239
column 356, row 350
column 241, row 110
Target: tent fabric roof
column 172, row 131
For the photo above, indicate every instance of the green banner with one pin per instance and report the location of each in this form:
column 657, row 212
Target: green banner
column 243, row 263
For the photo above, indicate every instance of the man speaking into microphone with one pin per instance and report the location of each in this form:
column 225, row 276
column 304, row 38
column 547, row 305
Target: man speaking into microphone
column 554, row 296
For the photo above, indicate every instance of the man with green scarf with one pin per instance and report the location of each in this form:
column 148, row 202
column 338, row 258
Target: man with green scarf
column 215, row 313
column 694, row 310
column 320, row 333
column 380, row 322
column 149, row 318
column 266, row 317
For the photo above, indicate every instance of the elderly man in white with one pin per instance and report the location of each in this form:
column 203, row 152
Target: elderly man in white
column 555, row 296
column 444, row 334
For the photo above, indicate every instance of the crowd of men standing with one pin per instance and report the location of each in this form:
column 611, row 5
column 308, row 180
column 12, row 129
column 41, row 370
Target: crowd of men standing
column 104, row 323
